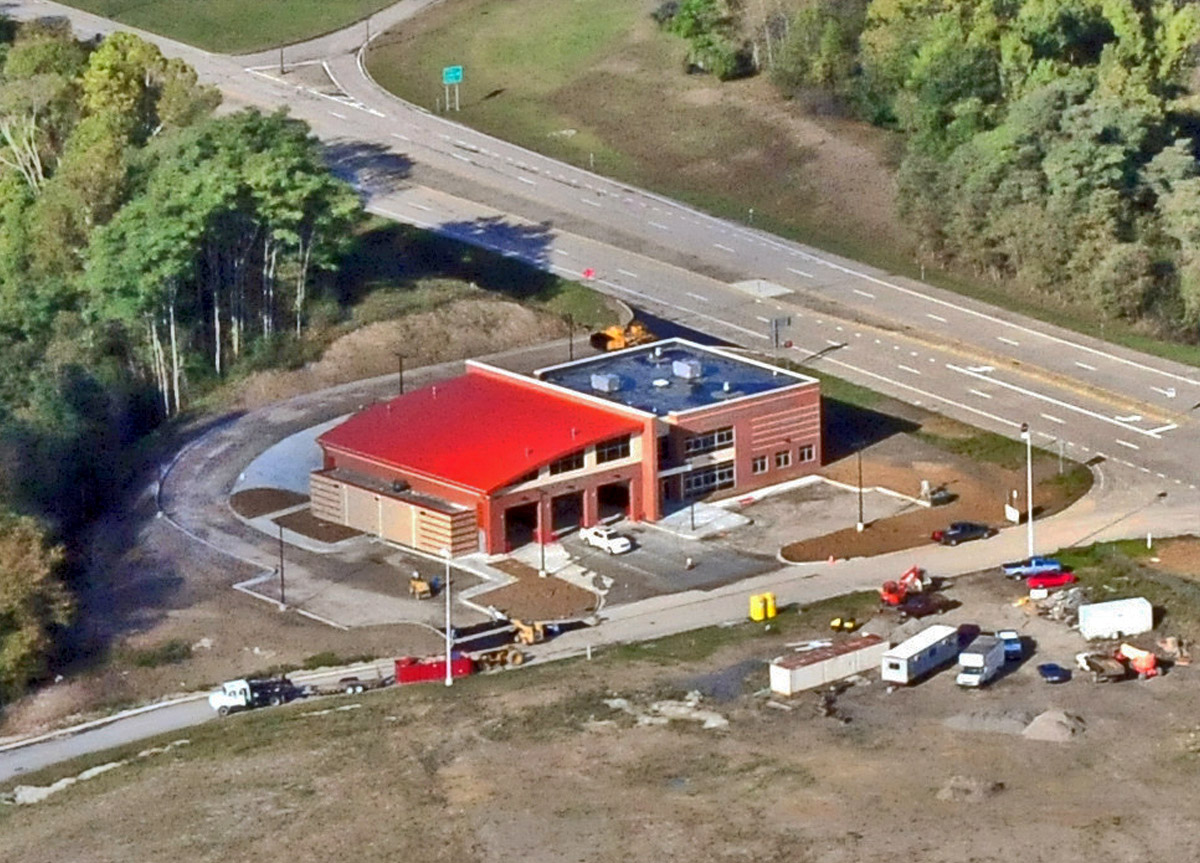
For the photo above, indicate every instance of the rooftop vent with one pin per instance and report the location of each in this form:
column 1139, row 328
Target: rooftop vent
column 399, row 485
column 689, row 370
column 661, row 382
column 606, row 383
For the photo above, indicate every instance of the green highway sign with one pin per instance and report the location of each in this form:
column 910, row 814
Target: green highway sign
column 452, row 75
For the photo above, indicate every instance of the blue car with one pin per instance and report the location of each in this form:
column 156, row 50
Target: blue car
column 1052, row 672
column 1031, row 566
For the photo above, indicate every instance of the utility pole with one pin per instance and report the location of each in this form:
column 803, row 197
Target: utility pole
column 281, row 60
column 1027, row 434
column 449, row 637
column 570, row 336
column 282, row 594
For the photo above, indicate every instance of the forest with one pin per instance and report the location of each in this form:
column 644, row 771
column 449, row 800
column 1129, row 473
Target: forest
column 148, row 246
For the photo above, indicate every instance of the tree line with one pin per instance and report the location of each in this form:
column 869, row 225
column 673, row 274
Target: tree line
column 147, row 246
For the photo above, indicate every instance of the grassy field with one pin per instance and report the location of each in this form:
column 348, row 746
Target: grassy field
column 233, row 26
column 595, row 83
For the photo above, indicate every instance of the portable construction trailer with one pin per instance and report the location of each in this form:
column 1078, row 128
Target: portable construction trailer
column 912, row 659
column 800, row 671
column 1116, row 619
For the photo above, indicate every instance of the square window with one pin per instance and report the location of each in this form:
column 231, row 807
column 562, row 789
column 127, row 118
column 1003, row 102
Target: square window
column 808, row 452
column 783, row 458
column 759, row 464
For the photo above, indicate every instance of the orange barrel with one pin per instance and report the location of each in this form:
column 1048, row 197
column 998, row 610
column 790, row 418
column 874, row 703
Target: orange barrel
column 769, row 603
column 758, row 607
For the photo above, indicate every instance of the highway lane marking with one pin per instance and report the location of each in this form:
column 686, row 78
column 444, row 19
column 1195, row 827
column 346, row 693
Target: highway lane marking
column 419, row 206
column 936, row 317
column 1051, row 400
column 1128, row 444
column 866, row 294
column 527, row 181
column 1008, row 341
column 563, row 252
column 834, row 343
column 1168, row 427
column 1085, row 366
column 698, row 297
column 590, row 202
column 1053, row 419
column 723, row 248
column 627, row 273
column 764, row 320
column 908, row 369
column 401, row 137
column 657, row 225
column 1169, row 392
column 978, row 393
column 339, row 116
column 461, row 158
column 799, row 272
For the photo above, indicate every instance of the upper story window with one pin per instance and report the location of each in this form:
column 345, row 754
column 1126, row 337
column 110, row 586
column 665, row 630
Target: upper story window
column 567, row 463
column 611, row 450
column 709, row 441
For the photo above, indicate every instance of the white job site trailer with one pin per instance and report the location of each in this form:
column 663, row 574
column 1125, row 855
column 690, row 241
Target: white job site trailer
column 912, row 659
column 821, row 665
column 1116, row 619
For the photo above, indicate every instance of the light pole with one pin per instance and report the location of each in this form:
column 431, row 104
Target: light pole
column 400, row 369
column 570, row 336
column 282, row 595
column 449, row 637
column 1027, row 436
column 541, row 529
column 861, row 524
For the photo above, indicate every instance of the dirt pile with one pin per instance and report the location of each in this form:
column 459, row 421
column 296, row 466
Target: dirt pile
column 455, row 331
column 1054, row 726
column 965, row 789
column 990, row 721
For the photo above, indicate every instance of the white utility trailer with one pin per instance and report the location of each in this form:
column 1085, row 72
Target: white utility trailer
column 912, row 659
column 821, row 665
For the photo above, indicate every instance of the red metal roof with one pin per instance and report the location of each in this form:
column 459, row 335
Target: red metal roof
column 480, row 431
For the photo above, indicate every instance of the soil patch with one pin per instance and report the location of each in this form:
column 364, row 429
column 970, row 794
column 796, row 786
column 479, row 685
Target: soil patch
column 531, row 597
column 304, row 522
column 1180, row 556
column 253, row 502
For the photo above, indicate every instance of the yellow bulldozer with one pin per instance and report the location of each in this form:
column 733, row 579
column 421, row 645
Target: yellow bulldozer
column 528, row 633
column 419, row 587
column 618, row 338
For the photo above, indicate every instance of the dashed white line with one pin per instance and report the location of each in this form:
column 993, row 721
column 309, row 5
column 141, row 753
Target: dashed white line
column 562, row 252
column 417, row 206
column 627, row 273
column 764, row 320
column 1085, row 366
column 1008, row 341
column 722, row 248
column 527, row 181
column 866, row 294
column 339, row 116
column 401, row 137
column 659, row 226
column 935, row 317
column 699, row 297
column 1054, row 419
column 978, row 393
column 909, row 369
column 1168, row 427
column 590, row 202
column 800, row 272
column 1126, row 443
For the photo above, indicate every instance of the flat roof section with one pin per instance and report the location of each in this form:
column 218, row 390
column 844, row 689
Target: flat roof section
column 671, row 376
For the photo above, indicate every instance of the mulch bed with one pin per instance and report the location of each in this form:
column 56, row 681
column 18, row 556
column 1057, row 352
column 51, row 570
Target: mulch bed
column 304, row 522
column 254, row 502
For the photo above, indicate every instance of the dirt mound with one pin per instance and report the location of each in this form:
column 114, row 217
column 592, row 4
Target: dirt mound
column 455, row 331
column 964, row 789
column 1055, row 726
column 990, row 721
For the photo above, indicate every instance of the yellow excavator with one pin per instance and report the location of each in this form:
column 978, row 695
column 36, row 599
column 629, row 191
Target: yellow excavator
column 528, row 633
column 618, row 338
column 419, row 587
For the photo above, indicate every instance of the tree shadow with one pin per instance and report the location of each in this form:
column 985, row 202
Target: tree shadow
column 494, row 254
column 367, row 166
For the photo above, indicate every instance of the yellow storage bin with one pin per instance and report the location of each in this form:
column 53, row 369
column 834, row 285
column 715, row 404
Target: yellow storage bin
column 769, row 602
column 758, row 607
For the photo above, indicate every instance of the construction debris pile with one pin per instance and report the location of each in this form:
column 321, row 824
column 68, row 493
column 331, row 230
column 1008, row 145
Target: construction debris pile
column 663, row 712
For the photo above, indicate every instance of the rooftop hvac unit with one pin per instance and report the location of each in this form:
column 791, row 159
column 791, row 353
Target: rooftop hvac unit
column 689, row 370
column 606, row 383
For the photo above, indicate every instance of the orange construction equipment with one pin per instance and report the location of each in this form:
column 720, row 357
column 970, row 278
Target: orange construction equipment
column 1143, row 662
column 618, row 338
column 894, row 593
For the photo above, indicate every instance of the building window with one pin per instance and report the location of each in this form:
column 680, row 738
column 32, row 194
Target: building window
column 568, row 463
column 759, row 464
column 709, row 441
column 783, row 458
column 528, row 477
column 808, row 452
column 664, row 449
column 708, row 479
column 611, row 450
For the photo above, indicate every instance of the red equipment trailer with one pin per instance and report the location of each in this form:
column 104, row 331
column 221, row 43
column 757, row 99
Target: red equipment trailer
column 411, row 669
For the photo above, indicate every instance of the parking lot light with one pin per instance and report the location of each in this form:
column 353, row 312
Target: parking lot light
column 1027, row 436
column 445, row 552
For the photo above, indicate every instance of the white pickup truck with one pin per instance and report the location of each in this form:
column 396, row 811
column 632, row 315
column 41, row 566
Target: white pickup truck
column 606, row 539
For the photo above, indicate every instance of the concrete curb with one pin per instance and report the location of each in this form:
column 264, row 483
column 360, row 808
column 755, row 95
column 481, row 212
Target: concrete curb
column 99, row 723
